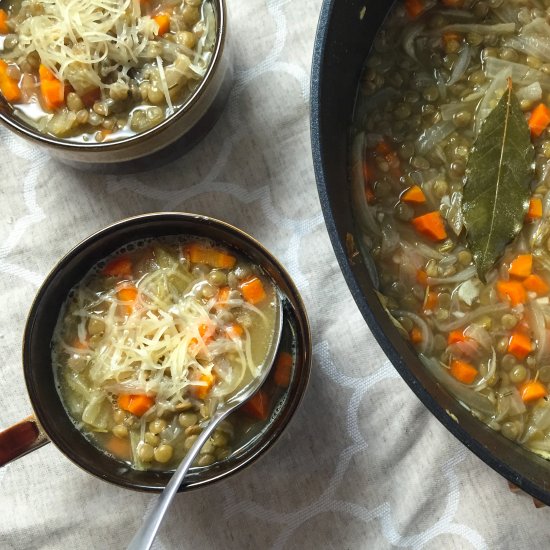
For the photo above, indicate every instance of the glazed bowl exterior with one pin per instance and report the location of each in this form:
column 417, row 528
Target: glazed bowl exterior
column 39, row 373
column 166, row 141
column 344, row 37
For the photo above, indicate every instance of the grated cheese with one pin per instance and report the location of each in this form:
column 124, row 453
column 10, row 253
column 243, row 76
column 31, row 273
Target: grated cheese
column 82, row 41
column 158, row 348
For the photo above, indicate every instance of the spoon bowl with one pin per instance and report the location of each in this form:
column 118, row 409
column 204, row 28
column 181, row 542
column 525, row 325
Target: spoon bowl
column 146, row 534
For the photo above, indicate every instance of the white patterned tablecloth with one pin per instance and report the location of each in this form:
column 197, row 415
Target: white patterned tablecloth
column 362, row 464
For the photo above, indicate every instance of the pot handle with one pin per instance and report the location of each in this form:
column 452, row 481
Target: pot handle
column 20, row 439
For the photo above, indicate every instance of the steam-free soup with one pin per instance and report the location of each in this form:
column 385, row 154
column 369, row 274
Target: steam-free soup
column 101, row 70
column 451, row 147
column 154, row 338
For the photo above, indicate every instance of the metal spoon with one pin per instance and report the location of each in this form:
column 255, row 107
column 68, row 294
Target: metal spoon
column 145, row 535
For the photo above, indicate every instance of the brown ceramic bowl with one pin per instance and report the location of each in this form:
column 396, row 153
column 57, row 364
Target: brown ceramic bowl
column 172, row 137
column 51, row 421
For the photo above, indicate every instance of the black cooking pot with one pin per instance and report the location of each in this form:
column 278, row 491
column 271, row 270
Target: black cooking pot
column 344, row 37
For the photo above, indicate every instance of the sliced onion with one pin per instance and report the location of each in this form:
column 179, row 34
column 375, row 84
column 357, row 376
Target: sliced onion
column 459, row 277
column 483, row 30
column 498, row 83
column 538, row 422
column 533, row 92
column 466, row 348
column 427, row 334
column 538, row 326
column 509, row 403
column 491, row 370
column 518, row 72
column 480, row 335
column 530, row 45
column 455, row 216
column 537, row 26
column 449, row 110
column 461, row 65
column 470, row 317
column 434, row 135
column 409, row 37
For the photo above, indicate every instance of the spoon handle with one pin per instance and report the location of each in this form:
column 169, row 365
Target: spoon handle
column 146, row 534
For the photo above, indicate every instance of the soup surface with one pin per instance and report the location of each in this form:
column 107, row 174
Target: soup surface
column 102, row 70
column 442, row 84
column 154, row 338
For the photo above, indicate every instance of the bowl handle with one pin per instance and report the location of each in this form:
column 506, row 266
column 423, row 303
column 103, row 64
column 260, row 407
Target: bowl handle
column 20, row 439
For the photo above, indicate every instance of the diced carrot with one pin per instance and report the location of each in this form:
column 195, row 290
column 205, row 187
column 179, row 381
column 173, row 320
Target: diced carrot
column 234, row 331
column 52, row 89
column 203, row 329
column 118, row 447
column 4, row 29
column 451, row 37
column 522, row 266
column 453, row 3
column 257, row 406
column 163, row 21
column 253, row 290
column 283, row 369
column 430, row 301
column 431, row 225
column 202, row 391
column 539, row 119
column 513, row 291
column 368, row 175
column 206, row 332
column 520, row 345
column 127, row 293
column 455, row 336
column 413, row 195
column 416, row 335
column 199, row 254
column 137, row 404
column 535, row 283
column 383, row 148
column 118, row 267
column 223, row 296
column 422, row 277
column 9, row 87
column 535, row 209
column 532, row 391
column 79, row 344
column 463, row 372
column 414, row 8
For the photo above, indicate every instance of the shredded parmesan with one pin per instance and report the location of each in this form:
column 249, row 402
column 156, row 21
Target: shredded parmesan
column 158, row 347
column 82, row 41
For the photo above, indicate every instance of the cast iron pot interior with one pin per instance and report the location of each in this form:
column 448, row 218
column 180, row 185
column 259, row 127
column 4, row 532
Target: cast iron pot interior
column 343, row 40
column 71, row 269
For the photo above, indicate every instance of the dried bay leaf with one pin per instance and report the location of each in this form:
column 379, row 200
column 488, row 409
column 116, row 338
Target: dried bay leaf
column 498, row 177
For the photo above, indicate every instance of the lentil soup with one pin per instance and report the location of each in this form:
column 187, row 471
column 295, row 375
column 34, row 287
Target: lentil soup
column 157, row 335
column 102, row 70
column 437, row 72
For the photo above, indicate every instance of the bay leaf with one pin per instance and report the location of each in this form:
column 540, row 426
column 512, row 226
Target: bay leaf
column 498, row 177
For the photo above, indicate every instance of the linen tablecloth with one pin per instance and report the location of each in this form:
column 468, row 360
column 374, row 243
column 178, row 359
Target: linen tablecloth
column 363, row 464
